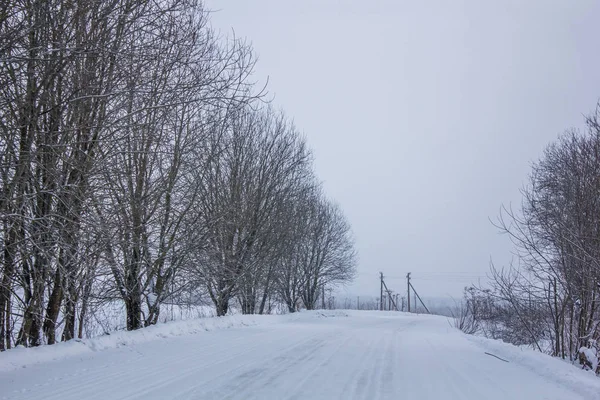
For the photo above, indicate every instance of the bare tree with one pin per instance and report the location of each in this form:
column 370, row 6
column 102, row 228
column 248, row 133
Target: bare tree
column 257, row 162
column 552, row 297
column 329, row 256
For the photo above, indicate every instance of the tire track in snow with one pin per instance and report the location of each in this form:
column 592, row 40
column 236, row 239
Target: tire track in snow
column 223, row 379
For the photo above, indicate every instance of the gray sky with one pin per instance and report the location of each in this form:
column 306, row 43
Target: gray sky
column 424, row 116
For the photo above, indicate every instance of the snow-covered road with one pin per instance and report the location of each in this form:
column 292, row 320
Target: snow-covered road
column 366, row 355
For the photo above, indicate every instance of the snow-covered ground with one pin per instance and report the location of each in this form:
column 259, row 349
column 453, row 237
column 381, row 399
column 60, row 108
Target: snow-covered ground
column 317, row 355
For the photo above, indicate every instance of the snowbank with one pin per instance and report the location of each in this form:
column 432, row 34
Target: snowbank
column 22, row 357
column 585, row 383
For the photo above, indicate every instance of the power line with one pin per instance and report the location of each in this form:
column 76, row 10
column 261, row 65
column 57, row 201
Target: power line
column 448, row 279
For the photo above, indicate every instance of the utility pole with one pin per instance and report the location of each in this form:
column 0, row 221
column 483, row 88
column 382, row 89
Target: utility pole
column 408, row 288
column 381, row 292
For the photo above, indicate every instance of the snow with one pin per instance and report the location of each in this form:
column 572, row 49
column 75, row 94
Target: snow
column 590, row 355
column 314, row 355
column 22, row 357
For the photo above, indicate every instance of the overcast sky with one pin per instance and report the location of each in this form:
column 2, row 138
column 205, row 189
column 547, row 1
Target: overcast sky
column 424, row 116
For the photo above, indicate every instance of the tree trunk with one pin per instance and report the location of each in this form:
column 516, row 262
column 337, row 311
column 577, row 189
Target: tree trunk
column 248, row 303
column 571, row 332
column 222, row 305
column 29, row 335
column 158, row 290
column 133, row 299
column 84, row 302
column 133, row 306
column 8, row 326
column 53, row 308
column 5, row 287
column 70, row 307
column 265, row 295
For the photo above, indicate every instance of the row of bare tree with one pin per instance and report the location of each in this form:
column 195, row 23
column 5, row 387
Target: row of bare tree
column 551, row 299
column 139, row 165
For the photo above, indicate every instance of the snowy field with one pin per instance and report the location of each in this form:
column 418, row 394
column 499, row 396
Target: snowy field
column 316, row 355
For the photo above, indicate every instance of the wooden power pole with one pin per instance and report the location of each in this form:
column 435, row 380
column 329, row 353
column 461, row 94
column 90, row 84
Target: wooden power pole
column 408, row 288
column 381, row 292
